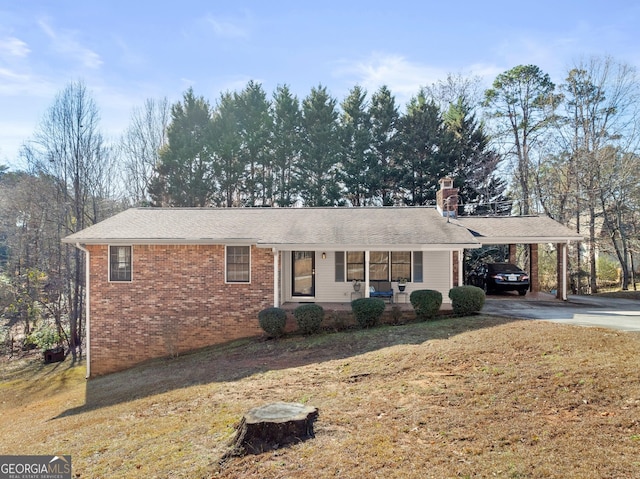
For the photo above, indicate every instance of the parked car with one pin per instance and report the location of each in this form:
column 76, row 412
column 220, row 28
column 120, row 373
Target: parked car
column 493, row 277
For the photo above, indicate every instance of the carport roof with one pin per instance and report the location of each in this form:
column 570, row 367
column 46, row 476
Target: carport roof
column 517, row 229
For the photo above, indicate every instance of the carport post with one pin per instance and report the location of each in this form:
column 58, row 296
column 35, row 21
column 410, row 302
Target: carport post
column 561, row 268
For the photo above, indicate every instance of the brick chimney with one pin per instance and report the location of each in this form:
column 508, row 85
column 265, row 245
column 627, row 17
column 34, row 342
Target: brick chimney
column 447, row 198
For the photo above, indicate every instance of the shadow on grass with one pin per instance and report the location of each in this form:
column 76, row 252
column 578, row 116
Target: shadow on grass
column 244, row 358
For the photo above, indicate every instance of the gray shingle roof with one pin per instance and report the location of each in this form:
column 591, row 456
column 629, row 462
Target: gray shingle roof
column 410, row 227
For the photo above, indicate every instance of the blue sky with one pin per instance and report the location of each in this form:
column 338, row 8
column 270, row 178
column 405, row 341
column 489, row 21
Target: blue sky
column 128, row 51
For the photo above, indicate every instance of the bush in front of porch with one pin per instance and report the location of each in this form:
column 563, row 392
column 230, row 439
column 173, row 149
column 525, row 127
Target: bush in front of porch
column 426, row 303
column 309, row 318
column 368, row 311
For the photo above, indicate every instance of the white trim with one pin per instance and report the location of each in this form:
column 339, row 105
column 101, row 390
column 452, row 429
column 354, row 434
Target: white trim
column 225, row 264
column 109, row 246
column 276, row 278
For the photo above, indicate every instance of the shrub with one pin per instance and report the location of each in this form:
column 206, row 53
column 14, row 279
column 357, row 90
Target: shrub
column 309, row 318
column 367, row 311
column 44, row 337
column 426, row 303
column 273, row 321
column 466, row 300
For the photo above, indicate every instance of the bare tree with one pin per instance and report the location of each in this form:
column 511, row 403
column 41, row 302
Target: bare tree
column 69, row 148
column 600, row 130
column 140, row 147
column 522, row 101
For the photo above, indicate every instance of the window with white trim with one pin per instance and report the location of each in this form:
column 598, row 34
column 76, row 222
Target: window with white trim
column 120, row 263
column 238, row 259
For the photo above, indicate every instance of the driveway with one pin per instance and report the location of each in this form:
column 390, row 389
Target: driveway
column 621, row 314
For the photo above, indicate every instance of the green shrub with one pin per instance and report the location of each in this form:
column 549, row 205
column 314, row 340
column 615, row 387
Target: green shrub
column 309, row 318
column 426, row 303
column 367, row 311
column 466, row 300
column 45, row 336
column 273, row 321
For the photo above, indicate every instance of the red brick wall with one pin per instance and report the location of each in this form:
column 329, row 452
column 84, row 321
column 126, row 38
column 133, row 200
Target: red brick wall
column 177, row 301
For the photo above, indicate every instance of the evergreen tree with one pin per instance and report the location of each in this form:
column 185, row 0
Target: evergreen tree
column 227, row 144
column 254, row 128
column 427, row 151
column 480, row 188
column 355, row 135
column 185, row 176
column 319, row 167
column 287, row 121
column 384, row 118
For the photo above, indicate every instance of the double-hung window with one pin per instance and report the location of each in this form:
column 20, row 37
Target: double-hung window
column 120, row 263
column 238, row 259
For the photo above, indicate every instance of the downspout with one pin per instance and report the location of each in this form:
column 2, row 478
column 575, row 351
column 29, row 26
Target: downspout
column 87, row 306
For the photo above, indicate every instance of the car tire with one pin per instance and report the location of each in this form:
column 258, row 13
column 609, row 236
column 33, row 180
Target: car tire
column 522, row 292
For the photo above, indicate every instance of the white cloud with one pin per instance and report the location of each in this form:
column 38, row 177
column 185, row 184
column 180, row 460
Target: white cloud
column 403, row 77
column 13, row 47
column 65, row 43
column 226, row 28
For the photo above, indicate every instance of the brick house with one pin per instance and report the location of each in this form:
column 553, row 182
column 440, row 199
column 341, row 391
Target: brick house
column 166, row 280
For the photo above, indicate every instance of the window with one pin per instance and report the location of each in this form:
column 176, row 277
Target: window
column 355, row 265
column 238, row 264
column 400, row 265
column 379, row 266
column 119, row 263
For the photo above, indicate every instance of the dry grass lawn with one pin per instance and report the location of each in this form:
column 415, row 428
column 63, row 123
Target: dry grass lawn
column 476, row 397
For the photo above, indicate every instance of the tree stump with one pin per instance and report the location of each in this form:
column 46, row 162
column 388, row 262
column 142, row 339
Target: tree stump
column 274, row 425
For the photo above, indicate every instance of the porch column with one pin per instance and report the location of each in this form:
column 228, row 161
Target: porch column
column 460, row 267
column 534, row 280
column 276, row 278
column 512, row 253
column 367, row 258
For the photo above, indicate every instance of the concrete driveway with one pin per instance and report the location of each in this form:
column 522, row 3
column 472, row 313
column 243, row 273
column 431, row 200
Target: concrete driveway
column 621, row 314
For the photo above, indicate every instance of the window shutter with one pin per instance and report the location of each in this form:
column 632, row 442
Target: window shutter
column 417, row 267
column 339, row 255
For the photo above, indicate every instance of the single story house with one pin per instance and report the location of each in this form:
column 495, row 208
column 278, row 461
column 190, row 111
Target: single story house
column 161, row 281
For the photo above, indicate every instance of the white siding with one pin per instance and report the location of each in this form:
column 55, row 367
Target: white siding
column 437, row 270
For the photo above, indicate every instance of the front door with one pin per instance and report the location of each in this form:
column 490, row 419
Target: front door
column 304, row 273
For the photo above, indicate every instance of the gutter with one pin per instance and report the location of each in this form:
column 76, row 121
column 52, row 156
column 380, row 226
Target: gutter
column 87, row 306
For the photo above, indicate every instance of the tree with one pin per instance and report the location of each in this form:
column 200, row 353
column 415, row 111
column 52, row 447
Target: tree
column 140, row 147
column 355, row 136
column 184, row 176
column 69, row 149
column 475, row 163
column 522, row 101
column 384, row 118
column 426, row 150
column 254, row 128
column 318, row 168
column 228, row 166
column 287, row 125
column 600, row 133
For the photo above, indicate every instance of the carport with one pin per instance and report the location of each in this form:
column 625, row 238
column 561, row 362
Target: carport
column 530, row 231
